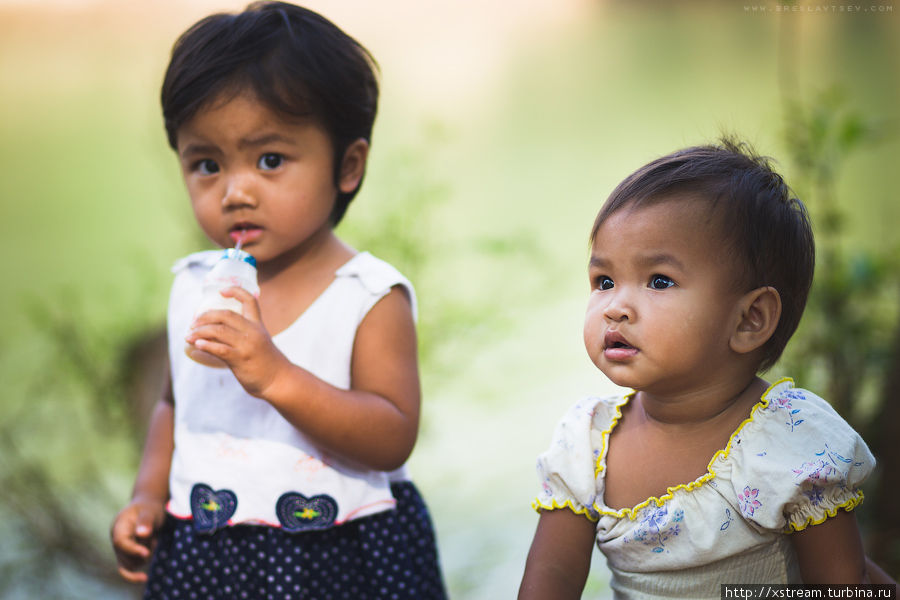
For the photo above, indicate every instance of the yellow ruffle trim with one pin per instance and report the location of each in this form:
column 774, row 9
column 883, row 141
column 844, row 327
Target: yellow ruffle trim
column 848, row 506
column 538, row 506
column 632, row 513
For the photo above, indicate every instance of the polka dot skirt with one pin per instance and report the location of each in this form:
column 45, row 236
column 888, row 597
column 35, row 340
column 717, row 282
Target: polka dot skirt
column 386, row 556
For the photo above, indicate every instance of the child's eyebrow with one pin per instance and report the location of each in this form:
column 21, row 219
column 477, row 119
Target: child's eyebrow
column 661, row 258
column 248, row 142
column 650, row 260
column 195, row 149
column 596, row 261
column 262, row 140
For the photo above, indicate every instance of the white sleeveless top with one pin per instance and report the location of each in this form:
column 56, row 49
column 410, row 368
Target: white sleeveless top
column 236, row 459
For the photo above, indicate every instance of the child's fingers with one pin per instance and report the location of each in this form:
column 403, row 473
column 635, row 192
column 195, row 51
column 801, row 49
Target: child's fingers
column 219, row 316
column 131, row 558
column 145, row 524
column 248, row 302
column 132, row 575
column 132, row 533
column 215, row 338
column 127, row 544
column 217, row 349
column 225, row 330
column 211, row 331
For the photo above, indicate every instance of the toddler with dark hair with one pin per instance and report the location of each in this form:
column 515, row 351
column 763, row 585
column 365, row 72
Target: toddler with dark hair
column 282, row 475
column 704, row 474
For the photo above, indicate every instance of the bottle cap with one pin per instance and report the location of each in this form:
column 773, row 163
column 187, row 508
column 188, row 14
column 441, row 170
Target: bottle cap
column 235, row 254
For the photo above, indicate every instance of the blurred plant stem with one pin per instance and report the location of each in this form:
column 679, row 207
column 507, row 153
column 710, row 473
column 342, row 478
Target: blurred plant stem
column 61, row 442
column 848, row 344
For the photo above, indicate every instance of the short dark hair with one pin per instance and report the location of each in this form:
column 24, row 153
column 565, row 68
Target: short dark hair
column 765, row 226
column 295, row 61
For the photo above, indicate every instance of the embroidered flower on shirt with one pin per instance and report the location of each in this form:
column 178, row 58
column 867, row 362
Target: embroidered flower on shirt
column 784, row 403
column 828, row 467
column 748, row 500
column 656, row 527
column 815, row 495
column 728, row 520
column 547, row 490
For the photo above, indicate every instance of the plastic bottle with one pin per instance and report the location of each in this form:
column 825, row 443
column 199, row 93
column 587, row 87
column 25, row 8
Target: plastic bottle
column 235, row 268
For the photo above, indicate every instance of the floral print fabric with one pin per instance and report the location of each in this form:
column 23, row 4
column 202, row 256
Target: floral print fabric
column 792, row 463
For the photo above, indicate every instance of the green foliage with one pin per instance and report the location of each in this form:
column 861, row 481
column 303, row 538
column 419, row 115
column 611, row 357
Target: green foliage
column 67, row 431
column 403, row 225
column 844, row 342
column 848, row 344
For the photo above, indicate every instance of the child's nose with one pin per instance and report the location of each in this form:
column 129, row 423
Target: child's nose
column 239, row 192
column 619, row 307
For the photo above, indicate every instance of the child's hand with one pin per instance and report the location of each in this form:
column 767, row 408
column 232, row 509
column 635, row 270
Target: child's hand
column 241, row 341
column 133, row 535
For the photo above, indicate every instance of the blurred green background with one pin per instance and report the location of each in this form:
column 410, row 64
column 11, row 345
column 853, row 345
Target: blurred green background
column 502, row 128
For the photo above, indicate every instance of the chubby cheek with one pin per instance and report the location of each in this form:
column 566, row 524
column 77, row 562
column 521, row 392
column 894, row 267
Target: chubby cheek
column 209, row 221
column 594, row 331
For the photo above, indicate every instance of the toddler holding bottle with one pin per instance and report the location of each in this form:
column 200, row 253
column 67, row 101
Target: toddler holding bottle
column 282, row 474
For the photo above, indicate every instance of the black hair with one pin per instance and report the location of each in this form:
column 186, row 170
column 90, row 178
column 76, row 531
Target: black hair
column 295, row 61
column 765, row 226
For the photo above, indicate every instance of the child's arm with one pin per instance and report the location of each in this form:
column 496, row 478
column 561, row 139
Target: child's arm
column 375, row 423
column 560, row 557
column 832, row 551
column 134, row 529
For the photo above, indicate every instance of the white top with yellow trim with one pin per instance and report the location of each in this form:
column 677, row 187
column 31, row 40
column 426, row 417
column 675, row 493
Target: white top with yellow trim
column 792, row 463
column 236, row 459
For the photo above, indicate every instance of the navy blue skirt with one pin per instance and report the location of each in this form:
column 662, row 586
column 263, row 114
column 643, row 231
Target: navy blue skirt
column 388, row 555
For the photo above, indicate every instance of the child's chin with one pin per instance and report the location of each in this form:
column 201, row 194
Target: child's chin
column 619, row 376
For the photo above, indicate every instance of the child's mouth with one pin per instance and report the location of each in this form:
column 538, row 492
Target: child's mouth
column 245, row 234
column 616, row 348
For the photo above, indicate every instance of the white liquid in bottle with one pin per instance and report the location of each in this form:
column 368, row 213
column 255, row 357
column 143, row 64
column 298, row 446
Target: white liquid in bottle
column 236, row 268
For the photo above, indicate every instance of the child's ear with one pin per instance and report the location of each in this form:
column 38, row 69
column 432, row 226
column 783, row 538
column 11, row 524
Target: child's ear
column 353, row 165
column 759, row 316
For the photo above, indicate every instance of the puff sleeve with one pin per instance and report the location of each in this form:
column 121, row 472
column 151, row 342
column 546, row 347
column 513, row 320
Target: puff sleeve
column 798, row 462
column 568, row 468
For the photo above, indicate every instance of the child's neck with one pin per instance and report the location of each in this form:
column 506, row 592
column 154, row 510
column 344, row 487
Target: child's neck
column 707, row 406
column 291, row 283
column 326, row 251
column 663, row 442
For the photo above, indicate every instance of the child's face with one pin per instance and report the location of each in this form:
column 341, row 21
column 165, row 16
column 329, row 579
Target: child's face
column 663, row 302
column 250, row 172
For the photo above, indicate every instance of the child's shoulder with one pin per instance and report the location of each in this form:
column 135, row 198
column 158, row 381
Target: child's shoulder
column 788, row 408
column 373, row 273
column 793, row 460
column 595, row 412
column 788, row 428
column 376, row 276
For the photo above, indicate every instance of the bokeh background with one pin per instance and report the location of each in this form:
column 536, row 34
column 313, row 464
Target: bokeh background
column 502, row 128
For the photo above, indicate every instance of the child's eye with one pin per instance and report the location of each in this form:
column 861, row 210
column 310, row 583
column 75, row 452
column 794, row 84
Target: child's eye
column 269, row 161
column 660, row 282
column 206, row 166
column 603, row 283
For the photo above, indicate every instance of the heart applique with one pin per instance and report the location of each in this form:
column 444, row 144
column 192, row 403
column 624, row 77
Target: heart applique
column 296, row 512
column 211, row 509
